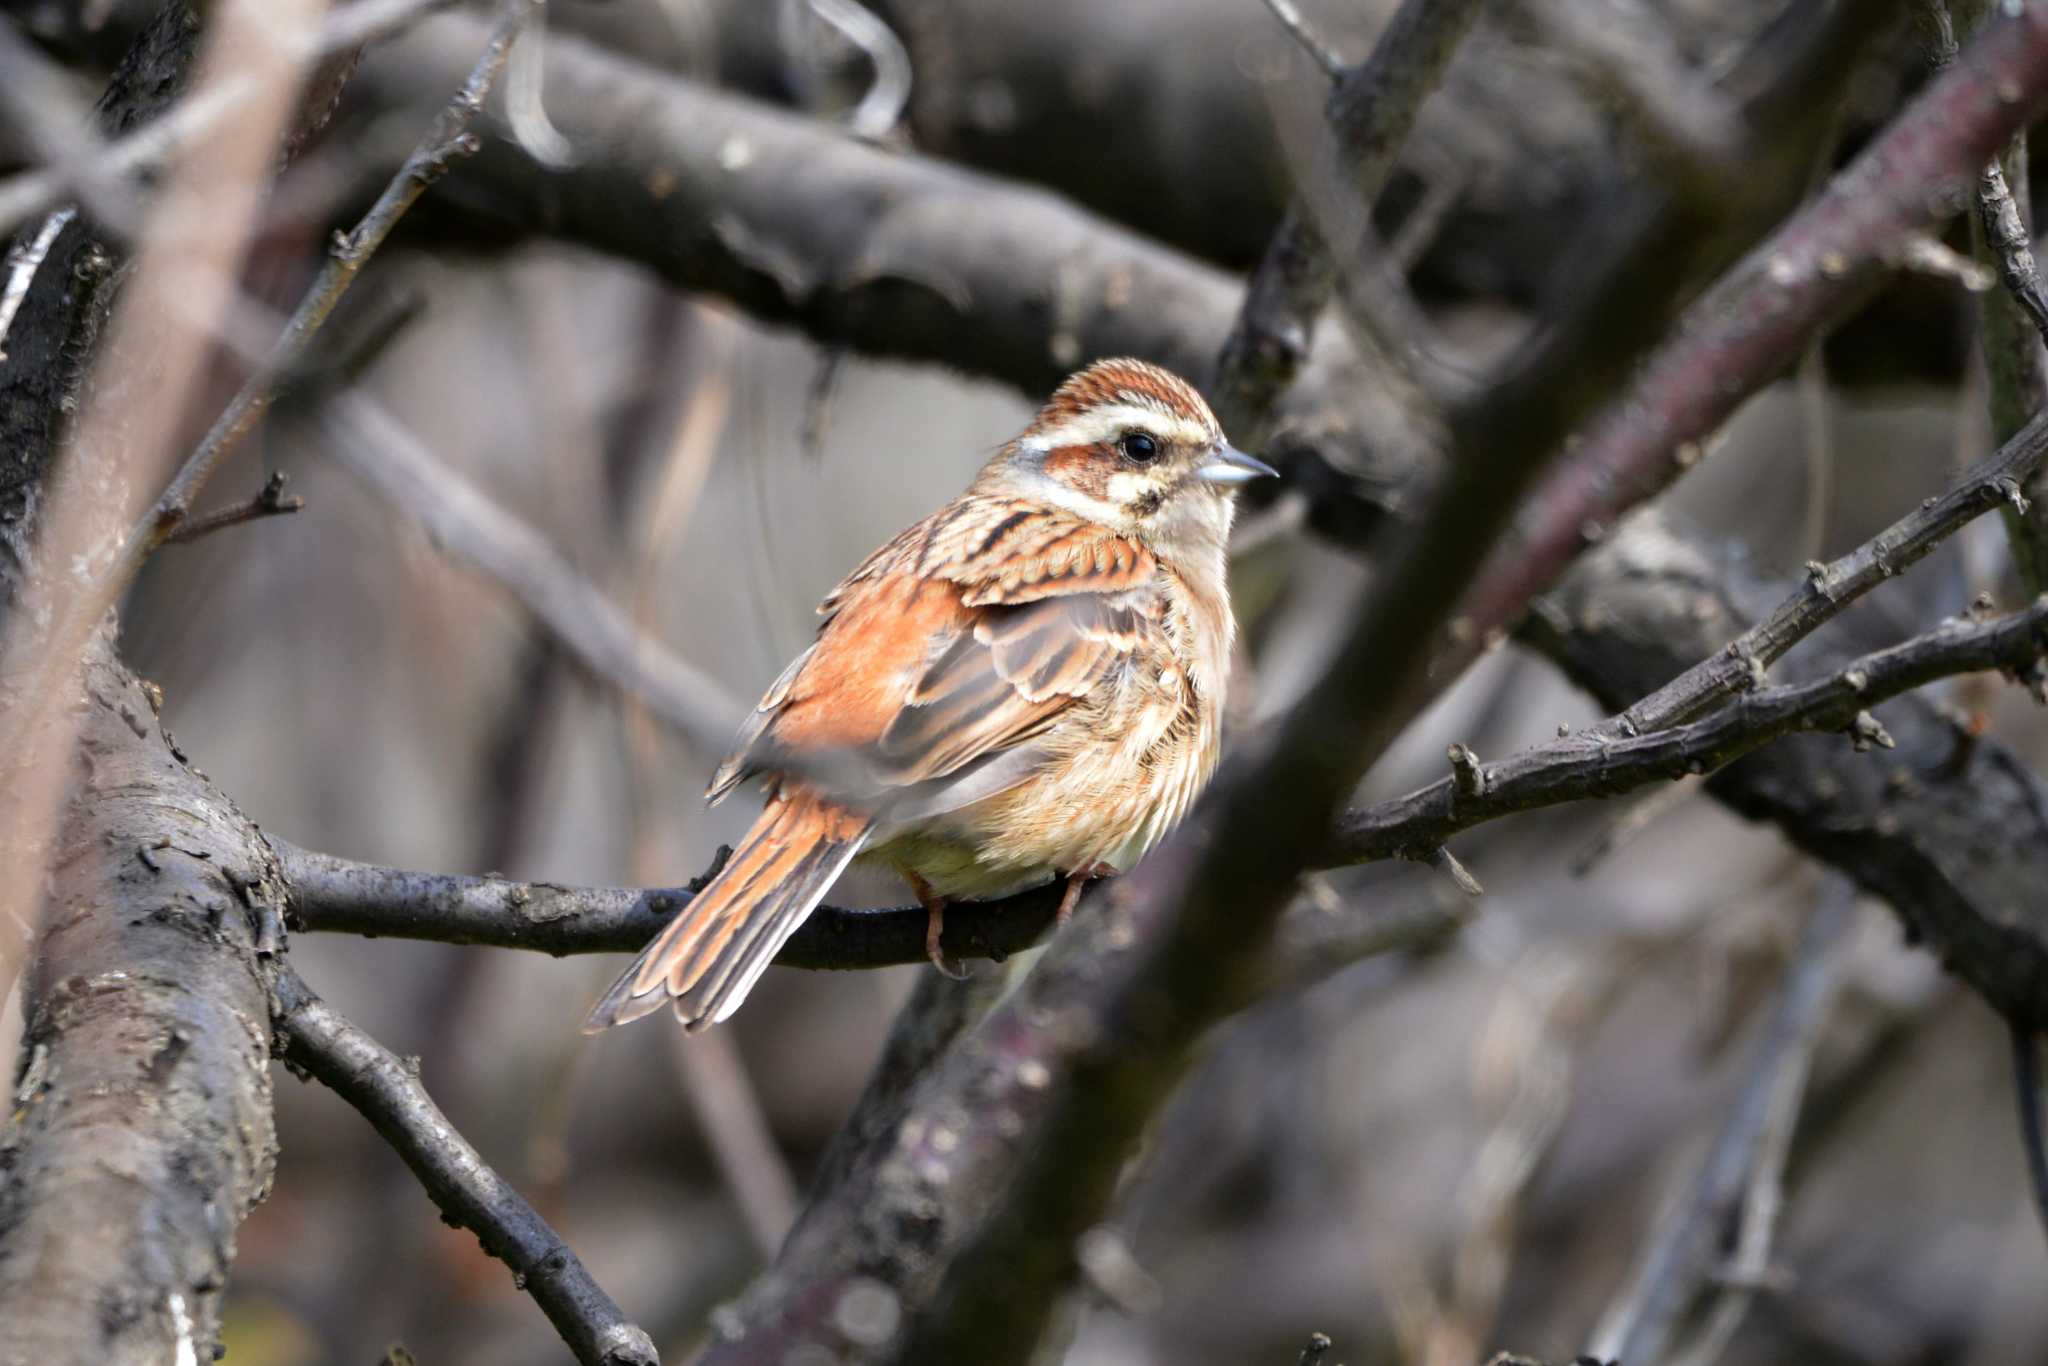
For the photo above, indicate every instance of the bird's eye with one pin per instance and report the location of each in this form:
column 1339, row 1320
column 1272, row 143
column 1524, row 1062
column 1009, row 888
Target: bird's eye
column 1139, row 447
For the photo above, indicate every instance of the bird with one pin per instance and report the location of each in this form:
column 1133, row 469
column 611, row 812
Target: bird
column 1026, row 685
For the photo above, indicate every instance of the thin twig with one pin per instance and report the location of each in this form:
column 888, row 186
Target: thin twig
column 1325, row 55
column 2027, row 1093
column 1681, row 1257
column 1372, row 106
column 387, row 1091
column 269, row 501
column 30, row 192
column 1585, row 764
column 448, row 141
column 1829, row 588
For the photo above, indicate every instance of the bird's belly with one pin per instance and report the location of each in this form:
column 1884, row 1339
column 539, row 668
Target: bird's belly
column 1102, row 803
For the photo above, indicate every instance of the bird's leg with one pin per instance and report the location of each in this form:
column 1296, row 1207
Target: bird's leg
column 1071, row 898
column 934, row 925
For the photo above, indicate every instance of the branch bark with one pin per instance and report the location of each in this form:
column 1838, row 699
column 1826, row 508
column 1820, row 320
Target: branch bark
column 469, row 1193
column 141, row 1134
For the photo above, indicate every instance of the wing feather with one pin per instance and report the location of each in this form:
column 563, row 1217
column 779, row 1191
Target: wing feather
column 958, row 643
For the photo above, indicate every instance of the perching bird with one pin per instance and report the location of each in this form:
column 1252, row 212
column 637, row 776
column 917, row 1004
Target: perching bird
column 1027, row 684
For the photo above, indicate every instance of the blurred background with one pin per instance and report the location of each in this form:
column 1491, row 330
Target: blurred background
column 1428, row 1156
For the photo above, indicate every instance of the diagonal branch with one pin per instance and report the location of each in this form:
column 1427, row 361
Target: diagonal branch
column 462, row 521
column 388, row 1093
column 1682, row 1254
column 1371, row 107
column 446, row 142
column 1754, row 322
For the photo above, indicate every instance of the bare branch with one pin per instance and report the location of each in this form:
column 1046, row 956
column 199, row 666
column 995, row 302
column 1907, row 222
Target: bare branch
column 448, row 140
column 339, row 896
column 1683, row 1253
column 1371, row 108
column 1830, row 588
column 1752, row 324
column 268, row 501
column 469, row 1193
column 1583, row 764
column 1320, row 51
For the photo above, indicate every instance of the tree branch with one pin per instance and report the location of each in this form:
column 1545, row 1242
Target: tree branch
column 1683, row 1251
column 335, row 895
column 1830, row 588
column 140, row 1135
column 1371, row 107
column 445, row 143
column 461, row 520
column 1590, row 764
column 388, row 1093
column 1200, row 929
column 1754, row 322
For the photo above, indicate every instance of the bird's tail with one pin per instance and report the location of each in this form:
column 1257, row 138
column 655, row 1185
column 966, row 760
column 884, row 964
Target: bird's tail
column 709, row 958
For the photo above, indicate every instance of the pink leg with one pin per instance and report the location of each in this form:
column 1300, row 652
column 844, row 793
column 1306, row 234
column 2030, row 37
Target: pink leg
column 1071, row 898
column 934, row 926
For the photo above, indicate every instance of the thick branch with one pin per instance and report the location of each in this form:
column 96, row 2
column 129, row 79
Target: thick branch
column 469, row 1193
column 141, row 1134
column 1201, row 931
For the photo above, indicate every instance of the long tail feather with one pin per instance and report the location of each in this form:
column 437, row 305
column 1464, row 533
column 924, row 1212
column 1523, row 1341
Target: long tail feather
column 709, row 958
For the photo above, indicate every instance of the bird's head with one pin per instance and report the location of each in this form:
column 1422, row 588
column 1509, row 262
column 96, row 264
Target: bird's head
column 1133, row 447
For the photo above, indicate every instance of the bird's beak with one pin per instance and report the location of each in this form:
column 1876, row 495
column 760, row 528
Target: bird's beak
column 1229, row 465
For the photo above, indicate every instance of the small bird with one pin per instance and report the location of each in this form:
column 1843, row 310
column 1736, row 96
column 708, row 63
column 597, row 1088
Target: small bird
column 1027, row 684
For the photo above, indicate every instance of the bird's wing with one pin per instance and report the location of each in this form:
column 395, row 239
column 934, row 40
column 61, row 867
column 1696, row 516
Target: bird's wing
column 948, row 651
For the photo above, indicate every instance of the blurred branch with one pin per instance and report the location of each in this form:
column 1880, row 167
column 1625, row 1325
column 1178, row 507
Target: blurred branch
column 1199, row 926
column 1370, row 109
column 448, row 140
column 146, row 148
column 387, row 1092
column 462, row 521
column 1684, row 1252
column 1753, row 323
column 1319, row 50
column 1629, row 58
column 2028, row 1096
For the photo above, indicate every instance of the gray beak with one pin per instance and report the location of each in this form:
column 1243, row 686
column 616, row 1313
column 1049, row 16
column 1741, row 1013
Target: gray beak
column 1229, row 465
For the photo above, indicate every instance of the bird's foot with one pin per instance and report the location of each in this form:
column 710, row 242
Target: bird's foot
column 935, row 927
column 1071, row 898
